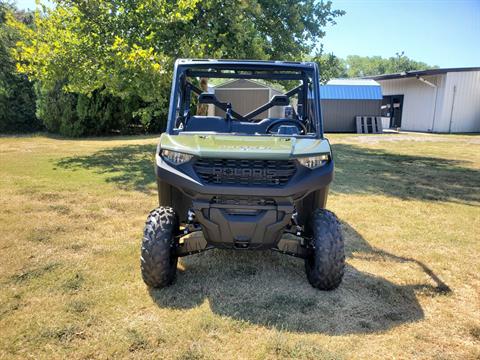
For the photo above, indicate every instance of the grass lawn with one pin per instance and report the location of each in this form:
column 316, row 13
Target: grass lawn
column 71, row 220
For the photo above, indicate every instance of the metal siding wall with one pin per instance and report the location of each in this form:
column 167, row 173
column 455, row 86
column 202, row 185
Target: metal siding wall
column 276, row 111
column 418, row 101
column 339, row 115
column 466, row 109
column 243, row 101
column 441, row 83
column 241, row 84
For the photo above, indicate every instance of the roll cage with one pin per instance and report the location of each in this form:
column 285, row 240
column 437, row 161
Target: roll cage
column 308, row 92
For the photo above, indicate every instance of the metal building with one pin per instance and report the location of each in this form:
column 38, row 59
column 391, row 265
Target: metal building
column 341, row 101
column 437, row 100
column 245, row 96
column 344, row 99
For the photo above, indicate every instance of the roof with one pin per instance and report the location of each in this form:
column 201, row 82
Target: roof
column 241, row 83
column 351, row 89
column 337, row 89
column 362, row 82
column 417, row 73
column 205, row 63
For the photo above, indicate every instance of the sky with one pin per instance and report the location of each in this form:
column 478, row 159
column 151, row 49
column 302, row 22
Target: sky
column 442, row 32
column 445, row 33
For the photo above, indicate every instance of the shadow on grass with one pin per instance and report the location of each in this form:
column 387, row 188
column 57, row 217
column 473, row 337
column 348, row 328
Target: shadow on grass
column 106, row 138
column 131, row 167
column 271, row 290
column 358, row 170
column 371, row 171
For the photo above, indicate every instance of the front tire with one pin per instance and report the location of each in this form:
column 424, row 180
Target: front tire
column 326, row 266
column 158, row 260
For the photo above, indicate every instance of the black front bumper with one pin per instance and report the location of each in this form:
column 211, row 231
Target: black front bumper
column 186, row 180
column 252, row 217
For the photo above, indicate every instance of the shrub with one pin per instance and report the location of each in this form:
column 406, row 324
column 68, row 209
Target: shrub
column 76, row 115
column 17, row 98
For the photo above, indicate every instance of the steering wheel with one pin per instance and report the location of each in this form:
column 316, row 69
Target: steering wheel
column 279, row 122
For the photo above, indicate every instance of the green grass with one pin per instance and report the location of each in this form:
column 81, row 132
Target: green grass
column 71, row 219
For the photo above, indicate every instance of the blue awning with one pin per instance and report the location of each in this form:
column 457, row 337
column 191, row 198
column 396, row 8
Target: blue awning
column 350, row 92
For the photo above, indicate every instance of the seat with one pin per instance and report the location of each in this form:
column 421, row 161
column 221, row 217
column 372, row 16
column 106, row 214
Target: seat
column 251, row 127
column 206, row 123
column 220, row 125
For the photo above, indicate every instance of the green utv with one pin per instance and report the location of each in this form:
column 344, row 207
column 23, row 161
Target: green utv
column 244, row 161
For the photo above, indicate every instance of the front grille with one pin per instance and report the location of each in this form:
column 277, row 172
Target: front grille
column 245, row 172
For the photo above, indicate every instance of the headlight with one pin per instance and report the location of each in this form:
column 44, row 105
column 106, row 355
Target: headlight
column 175, row 157
column 313, row 162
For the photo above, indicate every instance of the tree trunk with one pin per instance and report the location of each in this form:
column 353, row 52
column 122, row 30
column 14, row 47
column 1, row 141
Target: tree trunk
column 202, row 109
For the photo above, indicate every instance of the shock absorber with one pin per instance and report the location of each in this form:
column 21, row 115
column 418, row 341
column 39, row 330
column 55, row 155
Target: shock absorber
column 190, row 226
column 191, row 216
column 297, row 228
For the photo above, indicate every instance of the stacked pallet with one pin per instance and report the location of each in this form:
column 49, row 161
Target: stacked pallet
column 369, row 124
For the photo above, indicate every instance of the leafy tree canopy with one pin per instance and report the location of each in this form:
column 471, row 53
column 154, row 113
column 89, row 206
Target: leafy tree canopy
column 355, row 66
column 17, row 99
column 330, row 66
column 358, row 66
column 127, row 47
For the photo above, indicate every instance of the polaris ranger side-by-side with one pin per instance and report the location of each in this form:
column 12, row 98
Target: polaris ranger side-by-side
column 250, row 169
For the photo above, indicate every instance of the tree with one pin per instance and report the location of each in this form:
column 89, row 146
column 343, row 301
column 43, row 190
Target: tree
column 330, row 66
column 74, row 114
column 126, row 48
column 17, row 98
column 358, row 66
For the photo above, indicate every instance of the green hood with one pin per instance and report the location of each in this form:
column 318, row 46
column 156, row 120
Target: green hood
column 244, row 147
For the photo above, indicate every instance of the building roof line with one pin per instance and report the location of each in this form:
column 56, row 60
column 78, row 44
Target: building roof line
column 231, row 81
column 416, row 73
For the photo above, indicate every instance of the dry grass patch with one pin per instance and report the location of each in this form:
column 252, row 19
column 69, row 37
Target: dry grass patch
column 71, row 222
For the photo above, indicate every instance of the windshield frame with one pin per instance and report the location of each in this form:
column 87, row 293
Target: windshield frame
column 285, row 70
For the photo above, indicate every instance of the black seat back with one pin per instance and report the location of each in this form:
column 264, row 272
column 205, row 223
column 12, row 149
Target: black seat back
column 220, row 125
column 207, row 123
